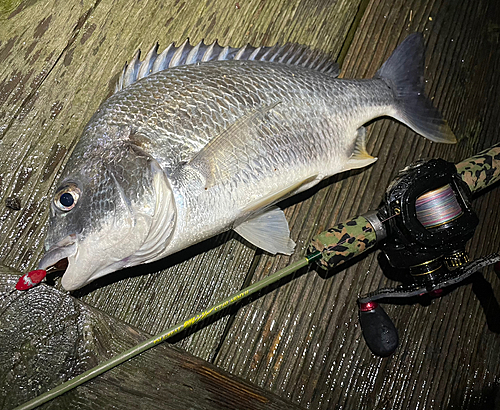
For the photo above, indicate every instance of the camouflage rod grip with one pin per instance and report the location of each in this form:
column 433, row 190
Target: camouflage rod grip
column 481, row 170
column 346, row 240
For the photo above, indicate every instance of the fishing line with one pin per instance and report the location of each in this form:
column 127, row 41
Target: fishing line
column 438, row 207
column 390, row 217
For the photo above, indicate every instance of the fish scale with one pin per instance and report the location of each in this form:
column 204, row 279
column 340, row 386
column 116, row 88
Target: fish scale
column 191, row 151
column 185, row 118
column 301, row 120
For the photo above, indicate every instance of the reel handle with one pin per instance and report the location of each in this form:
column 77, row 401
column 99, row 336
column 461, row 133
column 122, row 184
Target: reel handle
column 349, row 239
column 379, row 331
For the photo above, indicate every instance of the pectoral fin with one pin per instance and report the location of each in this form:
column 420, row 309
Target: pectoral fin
column 220, row 158
column 268, row 231
column 360, row 157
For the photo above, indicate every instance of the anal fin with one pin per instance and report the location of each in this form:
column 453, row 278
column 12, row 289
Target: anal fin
column 268, row 231
column 359, row 157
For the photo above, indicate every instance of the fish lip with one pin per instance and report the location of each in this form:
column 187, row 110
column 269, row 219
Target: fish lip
column 61, row 250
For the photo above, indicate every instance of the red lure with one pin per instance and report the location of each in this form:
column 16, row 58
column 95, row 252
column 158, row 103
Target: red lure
column 31, row 279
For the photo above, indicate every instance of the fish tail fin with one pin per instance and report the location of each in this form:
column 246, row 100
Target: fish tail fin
column 404, row 73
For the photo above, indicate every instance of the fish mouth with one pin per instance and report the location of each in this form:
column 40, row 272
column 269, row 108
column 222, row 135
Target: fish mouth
column 81, row 261
column 58, row 253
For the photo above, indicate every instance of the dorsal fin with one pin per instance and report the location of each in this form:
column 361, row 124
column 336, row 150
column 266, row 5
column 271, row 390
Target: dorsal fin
column 172, row 56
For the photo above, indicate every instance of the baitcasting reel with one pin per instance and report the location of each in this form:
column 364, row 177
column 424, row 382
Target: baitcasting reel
column 427, row 220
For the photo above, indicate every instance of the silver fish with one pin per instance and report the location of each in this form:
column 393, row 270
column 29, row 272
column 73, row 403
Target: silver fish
column 194, row 143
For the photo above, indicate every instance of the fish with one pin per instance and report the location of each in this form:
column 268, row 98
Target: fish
column 202, row 139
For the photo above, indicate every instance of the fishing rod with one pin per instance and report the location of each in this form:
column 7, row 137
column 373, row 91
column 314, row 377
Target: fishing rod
column 423, row 226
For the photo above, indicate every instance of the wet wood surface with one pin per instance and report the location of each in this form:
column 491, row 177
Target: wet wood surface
column 302, row 342
column 59, row 337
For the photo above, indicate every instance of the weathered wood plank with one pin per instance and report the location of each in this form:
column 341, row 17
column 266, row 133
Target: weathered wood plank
column 88, row 63
column 48, row 337
column 29, row 50
column 303, row 341
column 34, row 39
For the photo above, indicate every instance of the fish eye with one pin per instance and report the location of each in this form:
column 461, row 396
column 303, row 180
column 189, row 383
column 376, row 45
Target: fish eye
column 67, row 197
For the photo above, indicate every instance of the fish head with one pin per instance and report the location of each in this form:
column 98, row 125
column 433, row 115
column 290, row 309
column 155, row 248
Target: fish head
column 112, row 209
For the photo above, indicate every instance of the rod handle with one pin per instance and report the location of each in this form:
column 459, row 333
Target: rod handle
column 346, row 240
column 481, row 170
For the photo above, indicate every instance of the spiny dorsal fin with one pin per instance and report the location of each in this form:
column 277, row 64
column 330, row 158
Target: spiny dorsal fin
column 172, row 56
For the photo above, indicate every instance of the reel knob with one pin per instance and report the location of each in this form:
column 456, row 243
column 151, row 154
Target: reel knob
column 379, row 332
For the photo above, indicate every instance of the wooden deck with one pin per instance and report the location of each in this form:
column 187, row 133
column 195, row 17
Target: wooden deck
column 302, row 342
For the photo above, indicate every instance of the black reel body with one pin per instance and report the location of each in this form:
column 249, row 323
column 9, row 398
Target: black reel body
column 428, row 220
